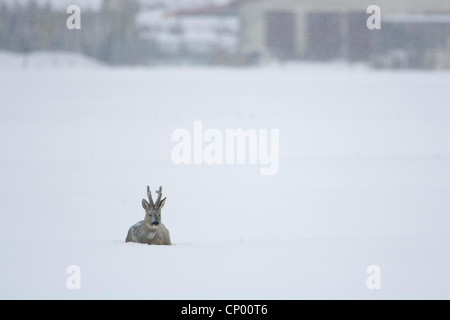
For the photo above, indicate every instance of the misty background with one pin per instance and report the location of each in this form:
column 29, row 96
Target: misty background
column 232, row 32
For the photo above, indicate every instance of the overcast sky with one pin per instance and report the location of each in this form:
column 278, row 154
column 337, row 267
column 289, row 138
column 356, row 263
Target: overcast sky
column 95, row 4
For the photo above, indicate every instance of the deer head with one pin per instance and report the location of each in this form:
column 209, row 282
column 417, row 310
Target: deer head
column 153, row 210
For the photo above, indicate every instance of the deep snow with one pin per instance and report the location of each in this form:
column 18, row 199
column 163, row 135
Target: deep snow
column 363, row 180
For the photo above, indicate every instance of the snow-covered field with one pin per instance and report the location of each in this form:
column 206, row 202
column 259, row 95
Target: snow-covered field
column 363, row 180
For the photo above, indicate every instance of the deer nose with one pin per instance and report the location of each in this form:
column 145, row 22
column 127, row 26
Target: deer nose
column 155, row 223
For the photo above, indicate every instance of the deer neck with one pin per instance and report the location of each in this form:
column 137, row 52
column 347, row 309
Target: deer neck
column 149, row 231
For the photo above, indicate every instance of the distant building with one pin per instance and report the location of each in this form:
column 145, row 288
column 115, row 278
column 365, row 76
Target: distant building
column 414, row 30
column 206, row 33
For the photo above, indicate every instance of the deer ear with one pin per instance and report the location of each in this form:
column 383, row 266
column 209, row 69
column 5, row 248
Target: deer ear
column 161, row 204
column 145, row 204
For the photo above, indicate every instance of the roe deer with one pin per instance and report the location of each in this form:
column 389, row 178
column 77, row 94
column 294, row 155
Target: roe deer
column 150, row 230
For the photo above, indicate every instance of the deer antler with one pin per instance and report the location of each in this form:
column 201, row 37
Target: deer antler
column 158, row 201
column 149, row 195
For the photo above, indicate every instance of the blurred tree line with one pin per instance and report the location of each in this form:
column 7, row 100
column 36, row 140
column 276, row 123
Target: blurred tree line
column 108, row 34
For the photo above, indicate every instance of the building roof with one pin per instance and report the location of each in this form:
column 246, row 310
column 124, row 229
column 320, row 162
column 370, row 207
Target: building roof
column 208, row 8
column 419, row 18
